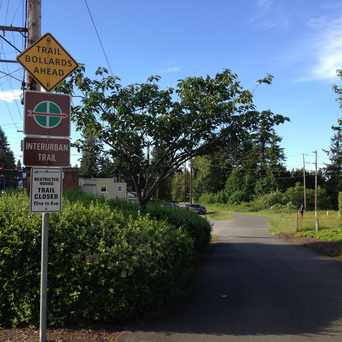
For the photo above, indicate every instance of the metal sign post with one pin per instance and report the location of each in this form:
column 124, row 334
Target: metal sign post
column 47, row 130
column 43, row 279
column 45, row 197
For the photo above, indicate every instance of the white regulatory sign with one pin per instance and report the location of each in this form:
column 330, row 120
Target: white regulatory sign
column 46, row 190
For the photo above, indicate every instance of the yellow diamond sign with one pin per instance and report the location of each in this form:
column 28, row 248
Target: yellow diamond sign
column 47, row 61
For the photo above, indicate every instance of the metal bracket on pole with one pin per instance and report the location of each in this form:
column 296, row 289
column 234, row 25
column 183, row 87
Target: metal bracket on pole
column 13, row 29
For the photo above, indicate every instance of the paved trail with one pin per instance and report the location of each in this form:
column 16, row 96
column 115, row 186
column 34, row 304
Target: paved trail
column 255, row 287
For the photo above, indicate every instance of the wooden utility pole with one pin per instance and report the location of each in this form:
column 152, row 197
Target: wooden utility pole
column 316, row 185
column 34, row 17
column 304, row 182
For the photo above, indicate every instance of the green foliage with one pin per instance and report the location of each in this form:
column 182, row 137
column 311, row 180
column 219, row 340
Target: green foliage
column 265, row 185
column 239, row 187
column 196, row 226
column 295, row 196
column 340, row 202
column 212, row 198
column 90, row 154
column 6, row 155
column 218, row 212
column 273, row 200
column 208, row 198
column 104, row 265
column 333, row 171
column 8, row 173
column 210, row 173
column 190, row 120
column 180, row 186
column 237, row 197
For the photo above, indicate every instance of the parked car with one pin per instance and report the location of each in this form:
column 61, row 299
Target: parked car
column 197, row 208
column 182, row 205
column 132, row 197
column 169, row 205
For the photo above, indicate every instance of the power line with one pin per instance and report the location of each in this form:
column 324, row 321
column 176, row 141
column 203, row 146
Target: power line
column 98, row 37
column 6, row 74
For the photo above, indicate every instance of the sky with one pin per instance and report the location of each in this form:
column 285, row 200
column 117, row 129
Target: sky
column 299, row 42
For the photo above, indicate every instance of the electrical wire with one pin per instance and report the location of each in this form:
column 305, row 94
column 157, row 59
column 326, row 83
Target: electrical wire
column 11, row 84
column 5, row 74
column 98, row 37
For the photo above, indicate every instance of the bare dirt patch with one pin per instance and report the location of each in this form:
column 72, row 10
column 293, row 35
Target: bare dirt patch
column 61, row 335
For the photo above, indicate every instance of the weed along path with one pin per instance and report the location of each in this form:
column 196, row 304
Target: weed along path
column 254, row 287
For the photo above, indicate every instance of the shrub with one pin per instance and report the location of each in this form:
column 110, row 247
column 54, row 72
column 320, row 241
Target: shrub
column 267, row 201
column 208, row 198
column 295, row 196
column 237, row 197
column 103, row 264
column 196, row 226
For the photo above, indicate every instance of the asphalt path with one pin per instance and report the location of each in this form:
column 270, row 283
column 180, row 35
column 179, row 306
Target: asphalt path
column 254, row 287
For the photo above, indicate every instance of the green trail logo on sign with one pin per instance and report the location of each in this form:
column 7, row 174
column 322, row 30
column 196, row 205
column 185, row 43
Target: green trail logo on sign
column 46, row 114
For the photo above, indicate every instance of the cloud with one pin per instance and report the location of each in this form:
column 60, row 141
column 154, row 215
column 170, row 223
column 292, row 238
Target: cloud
column 327, row 49
column 171, row 69
column 10, row 95
column 269, row 15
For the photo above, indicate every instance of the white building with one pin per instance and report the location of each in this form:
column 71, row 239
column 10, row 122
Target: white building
column 108, row 188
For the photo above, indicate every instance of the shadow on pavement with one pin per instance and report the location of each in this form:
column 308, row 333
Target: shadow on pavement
column 258, row 289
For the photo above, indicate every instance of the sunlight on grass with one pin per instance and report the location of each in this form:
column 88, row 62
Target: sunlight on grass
column 330, row 224
column 218, row 212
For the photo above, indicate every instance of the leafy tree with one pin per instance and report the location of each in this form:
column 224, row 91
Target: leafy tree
column 267, row 142
column 265, row 185
column 90, row 156
column 180, row 186
column 6, row 155
column 210, row 173
column 190, row 120
column 239, row 186
column 333, row 170
column 105, row 165
column 275, row 155
column 164, row 188
column 295, row 196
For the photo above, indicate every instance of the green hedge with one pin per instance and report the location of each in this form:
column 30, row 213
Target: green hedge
column 198, row 227
column 103, row 264
column 340, row 203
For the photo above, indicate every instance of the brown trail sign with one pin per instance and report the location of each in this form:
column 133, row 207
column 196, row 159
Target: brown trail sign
column 46, row 114
column 46, row 152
